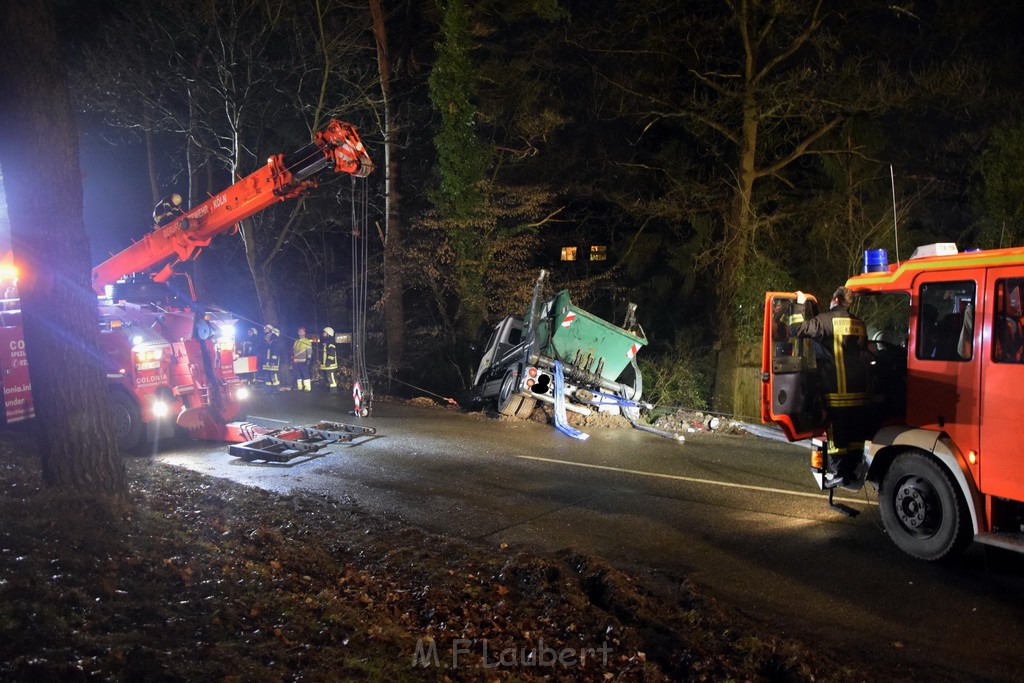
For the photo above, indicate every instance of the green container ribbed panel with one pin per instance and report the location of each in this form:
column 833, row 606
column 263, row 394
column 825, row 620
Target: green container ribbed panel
column 578, row 333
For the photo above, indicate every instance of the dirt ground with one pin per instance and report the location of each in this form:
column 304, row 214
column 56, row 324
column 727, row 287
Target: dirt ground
column 200, row 579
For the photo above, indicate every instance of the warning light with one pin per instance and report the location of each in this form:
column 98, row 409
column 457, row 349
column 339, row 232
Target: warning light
column 817, row 460
column 972, row 458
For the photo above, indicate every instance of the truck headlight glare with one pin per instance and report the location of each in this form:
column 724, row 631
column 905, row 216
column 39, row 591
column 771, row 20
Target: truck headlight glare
column 160, row 408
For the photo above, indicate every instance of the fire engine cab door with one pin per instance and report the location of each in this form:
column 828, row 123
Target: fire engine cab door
column 1002, row 433
column 790, row 396
column 944, row 365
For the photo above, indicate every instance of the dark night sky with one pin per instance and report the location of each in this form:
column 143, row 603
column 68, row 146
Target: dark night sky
column 117, row 196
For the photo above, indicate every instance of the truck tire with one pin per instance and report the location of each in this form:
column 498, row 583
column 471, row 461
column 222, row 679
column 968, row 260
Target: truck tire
column 922, row 510
column 509, row 402
column 128, row 427
column 526, row 406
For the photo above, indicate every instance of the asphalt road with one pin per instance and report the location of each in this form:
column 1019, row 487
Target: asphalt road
column 738, row 516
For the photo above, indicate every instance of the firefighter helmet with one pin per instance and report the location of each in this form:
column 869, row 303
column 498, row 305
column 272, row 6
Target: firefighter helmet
column 329, row 332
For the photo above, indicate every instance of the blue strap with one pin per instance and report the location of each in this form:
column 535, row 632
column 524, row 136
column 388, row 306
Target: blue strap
column 560, row 422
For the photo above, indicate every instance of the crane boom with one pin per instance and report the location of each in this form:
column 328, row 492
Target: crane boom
column 337, row 148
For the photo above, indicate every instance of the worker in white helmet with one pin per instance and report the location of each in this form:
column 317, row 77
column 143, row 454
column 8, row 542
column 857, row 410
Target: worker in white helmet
column 327, row 359
column 271, row 357
column 167, row 209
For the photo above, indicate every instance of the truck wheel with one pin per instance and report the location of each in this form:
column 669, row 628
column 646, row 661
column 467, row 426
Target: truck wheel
column 922, row 510
column 509, row 402
column 526, row 406
column 127, row 421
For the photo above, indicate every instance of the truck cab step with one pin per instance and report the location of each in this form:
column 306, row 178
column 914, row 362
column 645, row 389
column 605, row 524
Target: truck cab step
column 1009, row 540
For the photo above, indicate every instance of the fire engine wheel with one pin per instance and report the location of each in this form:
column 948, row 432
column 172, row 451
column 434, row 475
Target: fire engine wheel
column 127, row 421
column 509, row 402
column 922, row 510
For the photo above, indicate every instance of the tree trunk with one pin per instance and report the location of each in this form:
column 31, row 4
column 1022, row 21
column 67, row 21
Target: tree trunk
column 43, row 179
column 730, row 385
column 264, row 288
column 394, row 311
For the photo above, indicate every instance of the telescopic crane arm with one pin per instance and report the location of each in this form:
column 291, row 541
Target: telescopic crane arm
column 336, row 149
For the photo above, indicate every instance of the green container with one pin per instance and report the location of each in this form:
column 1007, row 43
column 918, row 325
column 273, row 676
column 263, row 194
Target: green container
column 582, row 339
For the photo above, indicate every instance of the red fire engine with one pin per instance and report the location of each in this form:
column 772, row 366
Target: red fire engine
column 945, row 332
column 168, row 362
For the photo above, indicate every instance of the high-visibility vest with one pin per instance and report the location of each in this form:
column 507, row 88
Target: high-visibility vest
column 302, row 351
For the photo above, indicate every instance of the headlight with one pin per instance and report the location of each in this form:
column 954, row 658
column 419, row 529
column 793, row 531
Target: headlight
column 242, row 393
column 160, row 408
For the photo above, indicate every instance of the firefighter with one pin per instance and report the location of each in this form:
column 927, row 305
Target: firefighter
column 302, row 355
column 167, row 209
column 839, row 341
column 251, row 344
column 327, row 359
column 271, row 363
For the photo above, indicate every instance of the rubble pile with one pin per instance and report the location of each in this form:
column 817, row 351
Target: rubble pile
column 693, row 422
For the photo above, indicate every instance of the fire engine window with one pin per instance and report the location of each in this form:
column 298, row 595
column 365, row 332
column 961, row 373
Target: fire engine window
column 945, row 321
column 887, row 317
column 786, row 350
column 1007, row 339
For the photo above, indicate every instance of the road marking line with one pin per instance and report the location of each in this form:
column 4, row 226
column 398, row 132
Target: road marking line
column 268, row 419
column 693, row 480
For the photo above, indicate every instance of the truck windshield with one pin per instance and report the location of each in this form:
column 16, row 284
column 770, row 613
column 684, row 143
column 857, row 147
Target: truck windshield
column 887, row 317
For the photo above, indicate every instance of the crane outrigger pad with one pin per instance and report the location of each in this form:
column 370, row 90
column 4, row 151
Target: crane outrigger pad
column 282, row 445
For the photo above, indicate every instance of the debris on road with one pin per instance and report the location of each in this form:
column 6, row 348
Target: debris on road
column 696, row 422
column 282, row 445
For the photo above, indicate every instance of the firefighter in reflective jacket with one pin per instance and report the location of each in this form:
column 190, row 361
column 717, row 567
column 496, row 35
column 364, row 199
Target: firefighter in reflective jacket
column 271, row 363
column 302, row 355
column 327, row 359
column 839, row 341
column 167, row 209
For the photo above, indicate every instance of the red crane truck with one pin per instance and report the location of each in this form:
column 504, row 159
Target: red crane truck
column 947, row 458
column 167, row 362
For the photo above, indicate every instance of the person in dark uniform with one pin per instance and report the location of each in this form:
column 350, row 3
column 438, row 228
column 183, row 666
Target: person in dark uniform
column 271, row 363
column 327, row 359
column 167, row 209
column 840, row 348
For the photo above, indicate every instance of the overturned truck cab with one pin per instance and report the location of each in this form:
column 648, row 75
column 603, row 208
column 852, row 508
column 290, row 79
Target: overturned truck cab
column 596, row 360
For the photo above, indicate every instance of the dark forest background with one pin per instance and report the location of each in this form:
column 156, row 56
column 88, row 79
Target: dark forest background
column 694, row 153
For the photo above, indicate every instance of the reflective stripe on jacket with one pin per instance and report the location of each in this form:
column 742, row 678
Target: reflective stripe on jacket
column 840, row 344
